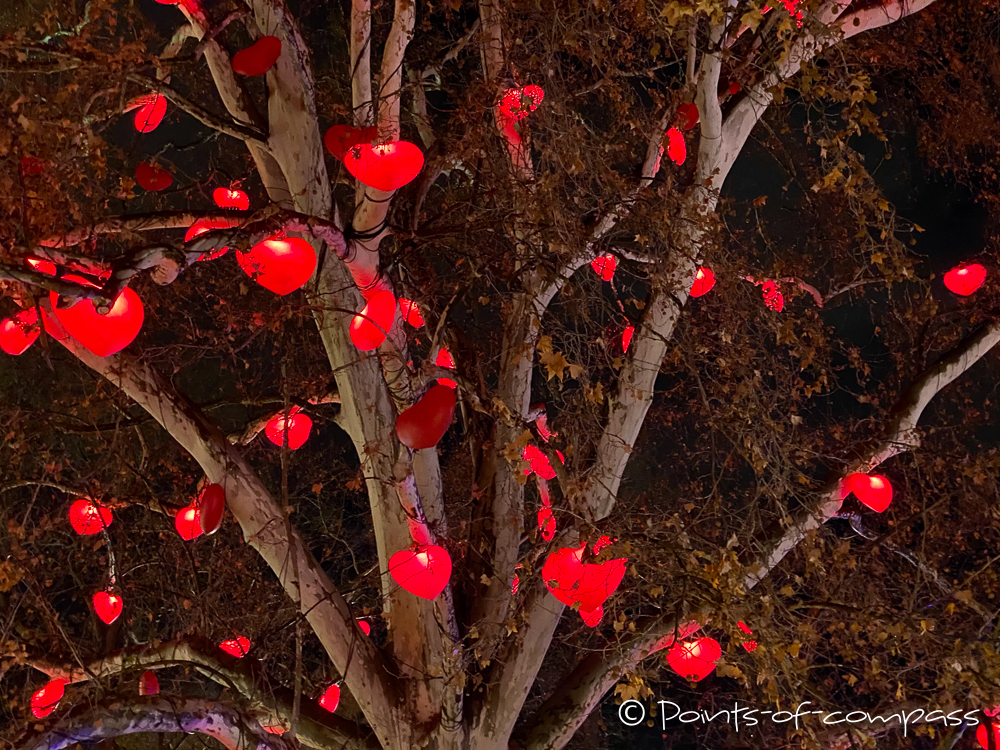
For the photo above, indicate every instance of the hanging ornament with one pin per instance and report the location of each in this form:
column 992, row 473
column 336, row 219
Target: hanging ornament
column 601, row 543
column 211, row 505
column 89, row 517
column 102, row 335
column 342, row 138
column 966, row 279
column 627, row 337
column 546, row 523
column 44, row 701
column 280, row 264
column 18, row 332
column 153, row 177
column 411, row 312
column 385, row 167
column 330, row 698
column 540, row 463
column 231, row 198
column 734, row 88
column 592, row 618
column 148, row 684
column 676, row 148
column 238, row 646
column 515, row 585
column 31, row 166
column 366, row 628
column 748, row 645
column 425, row 423
column 694, row 660
column 516, row 104
column 688, row 115
column 42, row 266
column 772, row 297
column 604, row 266
column 107, row 606
column 572, row 581
column 298, row 426
column 704, row 280
column 150, row 111
column 370, row 327
column 206, row 225
column 872, row 490
column 424, row 572
column 258, row 58
column 188, row 523
column 444, row 359
column 982, row 735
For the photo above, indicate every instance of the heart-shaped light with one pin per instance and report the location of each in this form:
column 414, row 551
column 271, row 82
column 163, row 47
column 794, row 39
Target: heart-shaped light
column 188, row 523
column 982, row 735
column 102, row 335
column 411, row 312
column 444, row 359
column 238, row 646
column 89, row 517
column 694, row 660
column 107, row 606
column 211, row 505
column 604, row 266
column 148, row 684
column 297, row 425
column 748, row 645
column 572, row 581
column 423, row 572
column 772, row 297
column 964, row 280
column 546, row 523
column 425, row 423
column 231, row 198
column 385, row 167
column 44, row 701
column 151, row 109
column 676, row 148
column 280, row 264
column 704, row 280
column 330, row 698
column 688, row 115
column 365, row 627
column 540, row 463
column 872, row 490
column 370, row 327
column 516, row 104
column 342, row 138
column 153, row 177
column 206, row 225
column 627, row 338
column 19, row 331
column 258, row 58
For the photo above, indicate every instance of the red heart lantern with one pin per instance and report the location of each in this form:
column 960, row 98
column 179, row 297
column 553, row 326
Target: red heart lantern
column 546, row 523
column 31, row 166
column 385, row 167
column 280, row 264
column 444, row 359
column 688, row 115
column 107, row 606
column 342, row 138
column 152, row 108
column 872, row 490
column 964, row 280
column 676, row 148
column 571, row 581
column 704, row 280
column 188, row 523
column 627, row 337
column 370, row 327
column 601, row 543
column 238, row 646
column 605, row 266
column 694, row 660
column 734, row 88
column 258, row 58
column 211, row 505
column 423, row 572
column 44, row 701
column 515, row 585
column 19, row 332
column 365, row 627
column 516, row 104
column 297, row 425
column 982, row 735
column 89, row 517
column 330, row 698
column 593, row 618
column 206, row 225
column 772, row 297
column 42, row 266
column 102, row 335
column 540, row 463
column 425, row 423
column 230, row 198
column 410, row 312
column 748, row 645
column 153, row 177
column 148, row 684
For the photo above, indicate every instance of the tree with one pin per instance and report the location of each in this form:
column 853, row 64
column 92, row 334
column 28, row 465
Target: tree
column 519, row 193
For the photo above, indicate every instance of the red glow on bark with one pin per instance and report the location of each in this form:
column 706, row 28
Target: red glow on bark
column 258, row 58
column 206, row 225
column 279, row 264
column 423, row 572
column 540, row 463
column 411, row 312
column 330, row 698
column 44, row 701
column 694, row 660
column 89, row 517
column 342, row 138
column 387, row 166
column 231, row 198
column 516, row 104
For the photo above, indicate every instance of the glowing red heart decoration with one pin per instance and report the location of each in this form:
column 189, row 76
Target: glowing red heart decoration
column 676, row 148
column 515, row 585
column 206, row 225
column 370, row 327
column 151, row 109
column 425, row 423
column 627, row 337
column 387, row 166
column 365, row 627
column 330, row 698
column 107, row 606
column 102, row 335
column 42, row 266
column 601, row 543
column 423, row 572
column 297, row 425
column 748, row 645
column 688, row 115
column 982, row 736
column 238, row 646
column 964, row 280
column 516, row 104
column 44, row 701
column 342, row 138
column 19, row 332
column 546, row 523
column 872, row 490
column 592, row 618
column 772, row 297
column 211, row 505
column 89, row 517
column 694, row 660
column 188, row 523
column 604, row 266
column 258, row 58
column 411, row 312
column 148, row 684
column 540, row 463
column 734, row 88
column 31, row 166
column 231, row 198
column 704, row 280
column 153, row 177
column 572, row 581
column 444, row 359
column 280, row 264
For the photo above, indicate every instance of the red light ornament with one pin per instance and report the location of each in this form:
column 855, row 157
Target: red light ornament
column 964, row 280
column 366, row 628
column 604, row 266
column 153, row 177
column 298, row 426
column 385, row 167
column 188, row 523
column 231, row 198
column 279, row 264
column 330, row 698
column 688, row 115
column 676, row 148
column 151, row 110
column 18, row 332
column 258, row 58
column 773, row 299
column 44, row 701
column 516, row 104
column 211, row 505
column 370, row 327
column 694, row 660
column 411, row 312
column 572, row 581
column 89, row 517
column 238, row 646
column 148, row 684
column 107, row 606
column 872, row 490
column 444, row 359
column 748, row 645
column 102, row 335
column 423, row 572
column 342, row 138
column 704, row 280
column 425, row 423
column 982, row 735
